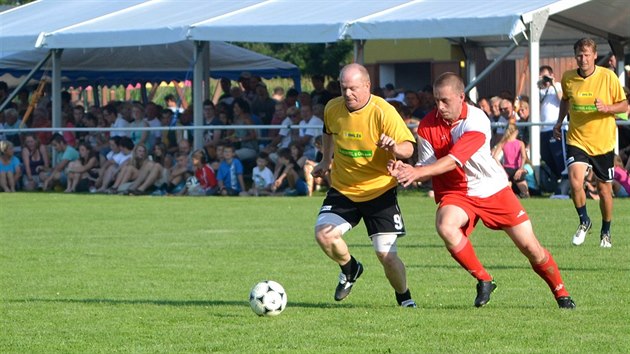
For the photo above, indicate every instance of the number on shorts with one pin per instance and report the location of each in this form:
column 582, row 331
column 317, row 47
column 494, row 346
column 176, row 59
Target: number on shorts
column 611, row 173
column 398, row 222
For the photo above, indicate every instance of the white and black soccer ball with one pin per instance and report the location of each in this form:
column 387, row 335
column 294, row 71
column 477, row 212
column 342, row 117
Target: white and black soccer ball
column 192, row 182
column 268, row 298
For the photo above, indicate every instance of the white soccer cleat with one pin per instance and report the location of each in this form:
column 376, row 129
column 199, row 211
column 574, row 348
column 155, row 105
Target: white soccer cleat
column 605, row 241
column 580, row 234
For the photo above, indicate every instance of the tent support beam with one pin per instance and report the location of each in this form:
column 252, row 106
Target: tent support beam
column 198, row 91
column 491, row 67
column 56, row 87
column 582, row 27
column 359, row 46
column 536, row 27
column 618, row 51
column 28, row 77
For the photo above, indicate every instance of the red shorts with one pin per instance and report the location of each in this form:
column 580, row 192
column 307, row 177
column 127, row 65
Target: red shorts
column 497, row 211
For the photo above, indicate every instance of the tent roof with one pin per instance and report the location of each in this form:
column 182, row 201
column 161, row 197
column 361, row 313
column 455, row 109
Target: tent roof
column 303, row 21
column 20, row 26
column 162, row 62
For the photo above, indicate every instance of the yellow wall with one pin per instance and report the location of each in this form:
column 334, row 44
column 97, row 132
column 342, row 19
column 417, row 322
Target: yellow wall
column 410, row 50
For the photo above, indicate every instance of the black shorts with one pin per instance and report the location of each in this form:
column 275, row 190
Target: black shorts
column 511, row 172
column 603, row 165
column 380, row 215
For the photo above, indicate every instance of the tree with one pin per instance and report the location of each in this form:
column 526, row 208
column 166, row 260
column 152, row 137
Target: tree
column 319, row 58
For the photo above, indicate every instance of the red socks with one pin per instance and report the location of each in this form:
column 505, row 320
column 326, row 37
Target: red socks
column 465, row 255
column 548, row 270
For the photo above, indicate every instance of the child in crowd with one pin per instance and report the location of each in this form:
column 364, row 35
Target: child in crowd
column 315, row 183
column 206, row 181
column 621, row 181
column 178, row 174
column 230, row 174
column 262, row 177
column 289, row 176
column 513, row 160
column 10, row 170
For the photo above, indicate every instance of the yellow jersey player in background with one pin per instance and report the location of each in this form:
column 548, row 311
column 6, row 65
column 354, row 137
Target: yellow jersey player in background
column 592, row 95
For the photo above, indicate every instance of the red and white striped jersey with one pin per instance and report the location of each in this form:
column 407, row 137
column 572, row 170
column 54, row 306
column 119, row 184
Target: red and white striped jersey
column 467, row 141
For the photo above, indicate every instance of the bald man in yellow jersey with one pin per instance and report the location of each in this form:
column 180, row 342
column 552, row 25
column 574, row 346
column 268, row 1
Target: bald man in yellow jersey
column 363, row 132
column 592, row 95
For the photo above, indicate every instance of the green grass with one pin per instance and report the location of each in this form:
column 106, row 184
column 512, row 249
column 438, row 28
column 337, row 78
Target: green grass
column 107, row 274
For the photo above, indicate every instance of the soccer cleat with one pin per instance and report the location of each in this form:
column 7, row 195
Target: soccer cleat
column 409, row 303
column 484, row 289
column 566, row 302
column 605, row 241
column 580, row 234
column 345, row 284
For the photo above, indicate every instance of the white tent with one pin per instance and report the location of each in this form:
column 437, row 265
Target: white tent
column 149, row 63
column 488, row 23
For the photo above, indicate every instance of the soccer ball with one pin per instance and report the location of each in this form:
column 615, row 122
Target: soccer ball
column 192, row 182
column 268, row 298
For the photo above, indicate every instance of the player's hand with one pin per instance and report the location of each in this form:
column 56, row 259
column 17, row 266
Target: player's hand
column 321, row 169
column 393, row 166
column 387, row 143
column 406, row 174
column 601, row 107
column 557, row 131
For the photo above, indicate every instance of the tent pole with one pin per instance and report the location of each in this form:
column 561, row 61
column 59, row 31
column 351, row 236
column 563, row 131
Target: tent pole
column 490, row 67
column 198, row 96
column 25, row 81
column 206, row 72
column 358, row 51
column 56, row 88
column 536, row 27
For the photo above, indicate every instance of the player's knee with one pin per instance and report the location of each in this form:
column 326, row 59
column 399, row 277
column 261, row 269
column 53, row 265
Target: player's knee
column 385, row 246
column 325, row 234
column 387, row 258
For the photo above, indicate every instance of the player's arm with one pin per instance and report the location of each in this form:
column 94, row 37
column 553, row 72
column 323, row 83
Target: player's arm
column 615, row 108
column 402, row 150
column 564, row 109
column 328, row 148
column 407, row 174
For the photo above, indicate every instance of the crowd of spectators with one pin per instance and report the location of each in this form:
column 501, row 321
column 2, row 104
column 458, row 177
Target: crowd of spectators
column 240, row 161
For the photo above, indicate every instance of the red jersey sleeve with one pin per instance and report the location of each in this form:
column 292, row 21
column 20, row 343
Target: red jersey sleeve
column 469, row 143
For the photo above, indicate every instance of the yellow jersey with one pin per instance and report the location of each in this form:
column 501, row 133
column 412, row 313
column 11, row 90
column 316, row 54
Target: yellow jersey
column 592, row 131
column 359, row 169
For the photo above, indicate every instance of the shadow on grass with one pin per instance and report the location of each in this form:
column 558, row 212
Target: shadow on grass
column 178, row 303
column 304, row 305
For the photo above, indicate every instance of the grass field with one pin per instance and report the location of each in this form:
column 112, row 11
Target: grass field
column 110, row 274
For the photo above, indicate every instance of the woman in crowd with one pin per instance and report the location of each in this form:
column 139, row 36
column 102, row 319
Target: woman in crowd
column 35, row 157
column 82, row 170
column 245, row 139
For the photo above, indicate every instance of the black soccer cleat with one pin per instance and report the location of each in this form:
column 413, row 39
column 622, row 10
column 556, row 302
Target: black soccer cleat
column 484, row 289
column 566, row 302
column 345, row 285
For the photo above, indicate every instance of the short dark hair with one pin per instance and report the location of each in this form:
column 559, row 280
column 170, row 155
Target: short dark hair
column 292, row 93
column 126, row 142
column 58, row 138
column 546, row 67
column 111, row 108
